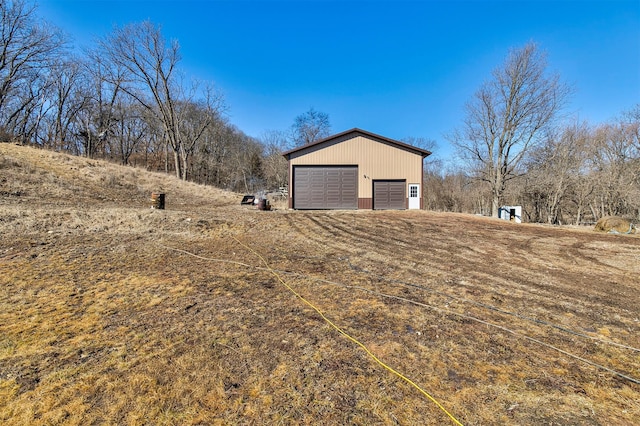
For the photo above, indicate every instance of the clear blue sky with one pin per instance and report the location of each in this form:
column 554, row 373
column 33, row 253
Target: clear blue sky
column 396, row 68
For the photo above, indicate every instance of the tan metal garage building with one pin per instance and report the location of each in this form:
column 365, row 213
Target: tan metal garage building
column 355, row 169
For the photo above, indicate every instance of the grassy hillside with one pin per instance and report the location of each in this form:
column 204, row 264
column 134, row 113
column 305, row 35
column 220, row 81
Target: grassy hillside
column 114, row 313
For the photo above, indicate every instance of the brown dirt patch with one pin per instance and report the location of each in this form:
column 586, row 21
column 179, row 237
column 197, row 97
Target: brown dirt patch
column 114, row 313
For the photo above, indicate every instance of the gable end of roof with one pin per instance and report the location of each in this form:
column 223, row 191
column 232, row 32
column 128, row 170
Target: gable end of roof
column 383, row 139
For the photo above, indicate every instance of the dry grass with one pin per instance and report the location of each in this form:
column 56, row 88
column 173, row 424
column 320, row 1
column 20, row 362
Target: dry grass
column 615, row 225
column 113, row 313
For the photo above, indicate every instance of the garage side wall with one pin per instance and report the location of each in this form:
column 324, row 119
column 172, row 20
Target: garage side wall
column 376, row 160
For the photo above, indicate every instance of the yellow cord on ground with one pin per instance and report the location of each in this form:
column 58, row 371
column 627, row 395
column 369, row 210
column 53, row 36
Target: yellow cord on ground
column 347, row 335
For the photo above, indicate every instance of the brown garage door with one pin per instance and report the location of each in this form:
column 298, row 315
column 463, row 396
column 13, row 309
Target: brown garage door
column 389, row 194
column 325, row 187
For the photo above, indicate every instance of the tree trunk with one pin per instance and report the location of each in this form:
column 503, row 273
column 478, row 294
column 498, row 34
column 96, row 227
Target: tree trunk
column 578, row 215
column 176, row 161
column 496, row 192
column 495, row 205
column 185, row 164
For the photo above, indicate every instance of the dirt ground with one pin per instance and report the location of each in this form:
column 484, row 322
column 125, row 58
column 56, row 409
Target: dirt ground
column 114, row 313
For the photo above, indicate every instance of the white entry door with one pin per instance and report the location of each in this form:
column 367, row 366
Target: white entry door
column 414, row 196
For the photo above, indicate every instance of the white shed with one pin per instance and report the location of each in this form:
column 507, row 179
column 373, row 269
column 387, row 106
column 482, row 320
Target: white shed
column 511, row 213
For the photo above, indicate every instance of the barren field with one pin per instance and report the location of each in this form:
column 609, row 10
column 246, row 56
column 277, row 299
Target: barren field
column 210, row 312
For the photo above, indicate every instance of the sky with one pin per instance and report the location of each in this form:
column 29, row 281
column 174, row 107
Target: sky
column 401, row 69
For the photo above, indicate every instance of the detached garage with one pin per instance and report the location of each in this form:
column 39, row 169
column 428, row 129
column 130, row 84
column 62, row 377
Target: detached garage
column 355, row 169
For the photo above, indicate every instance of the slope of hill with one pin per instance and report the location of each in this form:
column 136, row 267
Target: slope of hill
column 114, row 313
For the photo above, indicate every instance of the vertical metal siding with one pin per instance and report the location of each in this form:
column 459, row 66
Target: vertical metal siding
column 375, row 160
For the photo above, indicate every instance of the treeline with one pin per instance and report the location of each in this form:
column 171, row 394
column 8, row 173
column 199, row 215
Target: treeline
column 577, row 174
column 125, row 99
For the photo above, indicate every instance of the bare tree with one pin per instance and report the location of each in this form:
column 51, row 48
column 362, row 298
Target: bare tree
column 195, row 117
column 554, row 169
column 154, row 82
column 631, row 119
column 27, row 108
column 247, row 176
column 27, row 48
column 212, row 154
column 631, row 124
column 97, row 120
column 275, row 166
column 616, row 168
column 507, row 116
column 70, row 94
column 129, row 130
column 309, row 127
